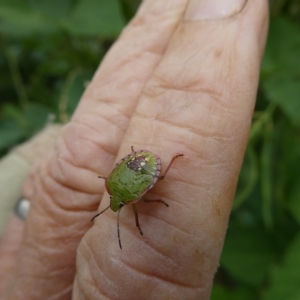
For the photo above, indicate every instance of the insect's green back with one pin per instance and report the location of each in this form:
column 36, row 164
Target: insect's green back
column 134, row 175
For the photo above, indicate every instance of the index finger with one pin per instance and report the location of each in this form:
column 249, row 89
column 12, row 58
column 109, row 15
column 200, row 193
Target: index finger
column 198, row 101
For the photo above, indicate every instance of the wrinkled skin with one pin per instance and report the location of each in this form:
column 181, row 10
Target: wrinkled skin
column 168, row 85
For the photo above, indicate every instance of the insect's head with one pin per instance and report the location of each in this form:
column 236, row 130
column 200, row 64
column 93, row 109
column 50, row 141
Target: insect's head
column 115, row 203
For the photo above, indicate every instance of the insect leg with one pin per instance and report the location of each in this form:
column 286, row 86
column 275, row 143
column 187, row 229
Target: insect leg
column 132, row 149
column 102, row 177
column 118, row 227
column 156, row 200
column 168, row 167
column 137, row 219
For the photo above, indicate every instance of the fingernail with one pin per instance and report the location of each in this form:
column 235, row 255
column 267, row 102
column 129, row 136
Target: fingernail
column 213, row 9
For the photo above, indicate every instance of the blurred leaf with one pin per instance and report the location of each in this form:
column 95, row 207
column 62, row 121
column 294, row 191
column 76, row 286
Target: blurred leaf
column 76, row 90
column 18, row 19
column 129, row 8
column 267, row 157
column 95, row 18
column 10, row 133
column 37, row 117
column 281, row 66
column 288, row 166
column 71, row 93
column 247, row 255
column 285, row 282
column 283, row 54
column 247, row 178
column 261, row 119
column 14, row 113
column 54, row 8
column 220, row 292
column 294, row 201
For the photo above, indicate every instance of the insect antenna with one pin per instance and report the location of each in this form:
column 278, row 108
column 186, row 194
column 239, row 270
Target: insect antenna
column 100, row 213
column 118, row 227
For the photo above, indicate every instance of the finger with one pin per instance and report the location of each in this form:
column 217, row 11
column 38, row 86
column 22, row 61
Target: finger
column 14, row 170
column 103, row 115
column 199, row 101
column 10, row 242
column 63, row 188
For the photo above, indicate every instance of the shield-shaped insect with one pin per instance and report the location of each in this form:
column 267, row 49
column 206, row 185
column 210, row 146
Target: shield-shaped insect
column 131, row 178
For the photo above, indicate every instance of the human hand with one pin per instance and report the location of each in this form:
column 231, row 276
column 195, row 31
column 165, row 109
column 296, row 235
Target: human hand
column 173, row 82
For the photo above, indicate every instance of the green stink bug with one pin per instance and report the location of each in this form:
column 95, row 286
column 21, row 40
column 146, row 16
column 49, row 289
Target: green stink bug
column 133, row 176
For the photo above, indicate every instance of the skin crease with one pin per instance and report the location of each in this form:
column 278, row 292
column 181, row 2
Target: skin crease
column 168, row 85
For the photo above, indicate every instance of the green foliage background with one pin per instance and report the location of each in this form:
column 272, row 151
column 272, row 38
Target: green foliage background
column 49, row 50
